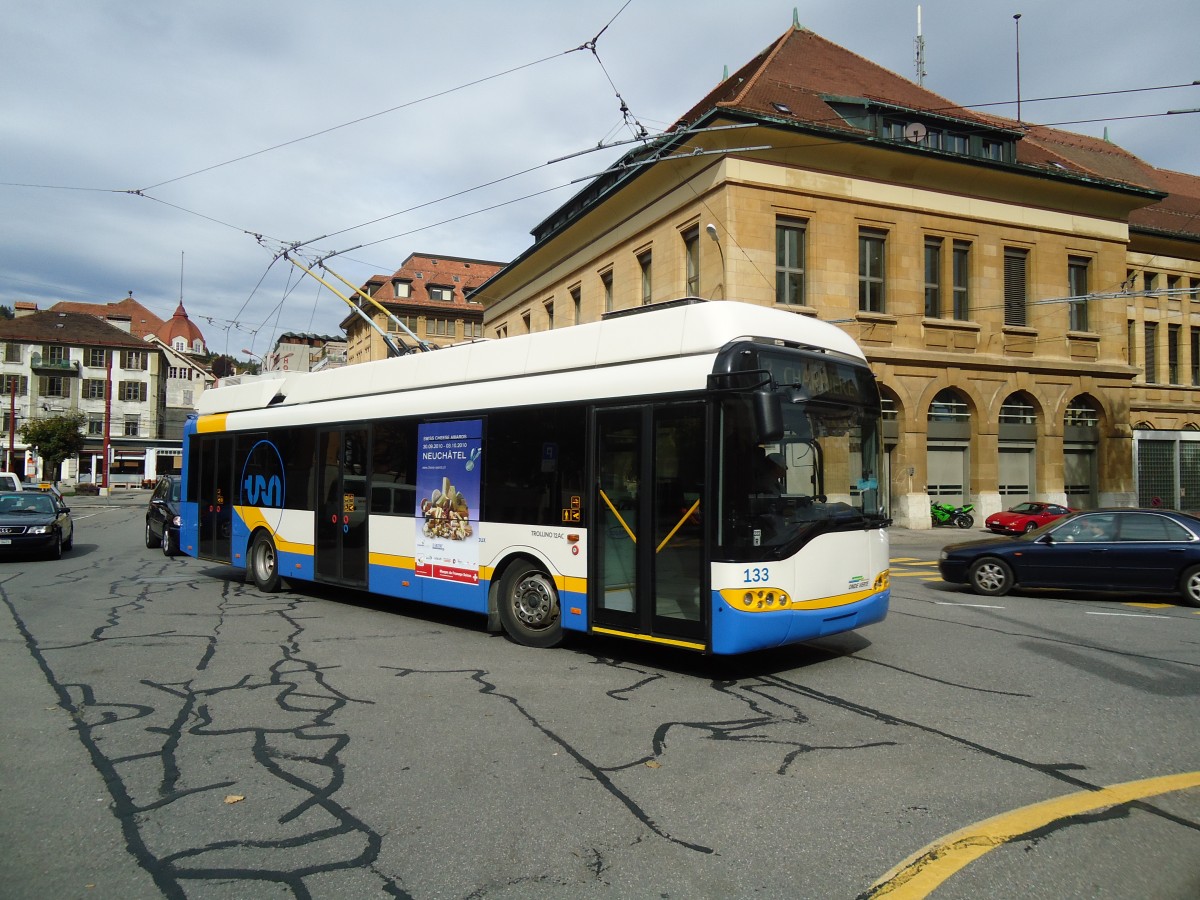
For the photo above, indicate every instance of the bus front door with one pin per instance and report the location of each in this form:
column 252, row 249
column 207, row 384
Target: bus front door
column 649, row 572
column 342, row 513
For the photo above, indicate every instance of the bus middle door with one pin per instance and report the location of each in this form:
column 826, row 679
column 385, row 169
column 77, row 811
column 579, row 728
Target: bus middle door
column 648, row 570
column 342, row 511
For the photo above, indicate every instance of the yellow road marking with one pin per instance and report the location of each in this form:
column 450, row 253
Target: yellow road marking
column 925, row 870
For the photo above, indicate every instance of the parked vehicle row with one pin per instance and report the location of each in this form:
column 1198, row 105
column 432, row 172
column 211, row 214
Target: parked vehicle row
column 162, row 516
column 949, row 514
column 35, row 523
column 1149, row 551
column 1025, row 517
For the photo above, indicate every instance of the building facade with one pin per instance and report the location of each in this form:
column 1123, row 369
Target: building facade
column 1029, row 299
column 428, row 297
column 296, row 352
column 58, row 363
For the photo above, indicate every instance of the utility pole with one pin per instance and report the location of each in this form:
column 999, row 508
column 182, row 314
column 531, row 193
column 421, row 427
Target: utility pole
column 107, row 424
column 12, row 421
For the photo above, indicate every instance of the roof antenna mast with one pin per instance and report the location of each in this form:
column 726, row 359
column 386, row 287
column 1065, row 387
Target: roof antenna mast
column 1017, row 23
column 920, row 42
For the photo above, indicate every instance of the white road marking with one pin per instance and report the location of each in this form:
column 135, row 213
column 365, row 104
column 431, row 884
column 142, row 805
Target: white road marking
column 968, row 605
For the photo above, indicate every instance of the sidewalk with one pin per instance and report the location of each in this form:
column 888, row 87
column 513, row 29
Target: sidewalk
column 121, row 497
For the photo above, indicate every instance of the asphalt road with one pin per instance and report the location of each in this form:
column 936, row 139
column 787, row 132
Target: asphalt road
column 166, row 730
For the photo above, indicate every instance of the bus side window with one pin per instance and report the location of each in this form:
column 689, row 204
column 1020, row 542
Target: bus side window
column 393, row 468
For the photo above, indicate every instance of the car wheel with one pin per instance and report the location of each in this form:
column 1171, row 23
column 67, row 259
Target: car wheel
column 57, row 548
column 529, row 608
column 151, row 540
column 264, row 564
column 991, row 576
column 1030, row 526
column 1189, row 586
column 70, row 542
column 168, row 543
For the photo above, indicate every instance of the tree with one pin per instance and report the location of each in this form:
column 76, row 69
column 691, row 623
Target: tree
column 6, row 312
column 55, row 438
column 223, row 366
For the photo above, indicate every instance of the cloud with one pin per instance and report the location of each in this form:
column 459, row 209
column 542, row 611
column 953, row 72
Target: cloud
column 111, row 96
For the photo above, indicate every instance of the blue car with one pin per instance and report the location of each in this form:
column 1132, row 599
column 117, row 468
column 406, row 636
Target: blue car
column 34, row 523
column 1146, row 551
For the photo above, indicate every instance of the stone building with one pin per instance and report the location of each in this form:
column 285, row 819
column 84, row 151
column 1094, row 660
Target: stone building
column 1029, row 298
column 57, row 363
column 428, row 295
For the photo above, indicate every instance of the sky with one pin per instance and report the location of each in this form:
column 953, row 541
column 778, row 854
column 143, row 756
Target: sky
column 173, row 149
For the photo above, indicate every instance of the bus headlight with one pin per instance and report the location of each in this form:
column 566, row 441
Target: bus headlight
column 761, row 599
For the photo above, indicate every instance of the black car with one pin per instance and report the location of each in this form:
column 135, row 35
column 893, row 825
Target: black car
column 1138, row 550
column 32, row 522
column 162, row 516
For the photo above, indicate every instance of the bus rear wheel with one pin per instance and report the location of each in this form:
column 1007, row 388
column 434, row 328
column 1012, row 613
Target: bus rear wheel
column 264, row 563
column 529, row 607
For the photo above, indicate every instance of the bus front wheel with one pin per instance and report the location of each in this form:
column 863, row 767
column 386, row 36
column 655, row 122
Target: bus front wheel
column 264, row 564
column 529, row 608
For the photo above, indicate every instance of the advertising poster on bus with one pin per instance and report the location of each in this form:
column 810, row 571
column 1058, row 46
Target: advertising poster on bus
column 448, row 468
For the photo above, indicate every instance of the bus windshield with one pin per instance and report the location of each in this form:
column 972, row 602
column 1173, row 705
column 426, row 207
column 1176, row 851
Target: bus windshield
column 821, row 473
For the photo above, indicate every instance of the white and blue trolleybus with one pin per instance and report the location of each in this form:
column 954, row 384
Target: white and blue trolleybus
column 697, row 474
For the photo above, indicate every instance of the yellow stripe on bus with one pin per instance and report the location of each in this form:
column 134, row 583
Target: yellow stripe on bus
column 210, row 424
column 255, row 519
column 690, row 645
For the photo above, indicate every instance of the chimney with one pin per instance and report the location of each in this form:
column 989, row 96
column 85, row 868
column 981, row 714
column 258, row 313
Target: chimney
column 125, row 323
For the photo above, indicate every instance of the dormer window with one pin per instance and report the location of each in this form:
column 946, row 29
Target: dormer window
column 444, row 294
column 401, row 288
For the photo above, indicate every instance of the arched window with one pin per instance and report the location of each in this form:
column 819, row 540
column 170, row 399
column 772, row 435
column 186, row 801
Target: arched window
column 949, row 406
column 887, row 405
column 1082, row 412
column 1018, row 409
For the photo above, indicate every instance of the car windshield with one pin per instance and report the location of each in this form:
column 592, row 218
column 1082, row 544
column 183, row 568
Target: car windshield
column 37, row 504
column 1027, row 508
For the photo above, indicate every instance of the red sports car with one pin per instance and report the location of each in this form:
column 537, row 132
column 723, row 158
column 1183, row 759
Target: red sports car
column 1024, row 517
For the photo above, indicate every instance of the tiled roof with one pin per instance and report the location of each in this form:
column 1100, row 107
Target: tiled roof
column 804, row 72
column 802, row 69
column 179, row 325
column 142, row 321
column 421, row 270
column 53, row 326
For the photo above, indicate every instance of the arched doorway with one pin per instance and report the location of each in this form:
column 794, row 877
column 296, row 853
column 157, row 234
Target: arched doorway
column 1081, row 440
column 1017, row 436
column 948, row 448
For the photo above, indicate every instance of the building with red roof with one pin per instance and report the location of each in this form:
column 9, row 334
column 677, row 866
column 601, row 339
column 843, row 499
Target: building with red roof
column 426, row 301
column 1028, row 298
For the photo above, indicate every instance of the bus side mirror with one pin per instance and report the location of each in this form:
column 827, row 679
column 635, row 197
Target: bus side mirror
column 768, row 416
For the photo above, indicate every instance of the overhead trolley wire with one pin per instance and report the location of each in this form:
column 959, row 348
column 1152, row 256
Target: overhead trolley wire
column 360, row 119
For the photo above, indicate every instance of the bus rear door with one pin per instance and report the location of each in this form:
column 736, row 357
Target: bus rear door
column 215, row 498
column 342, row 512
column 648, row 573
